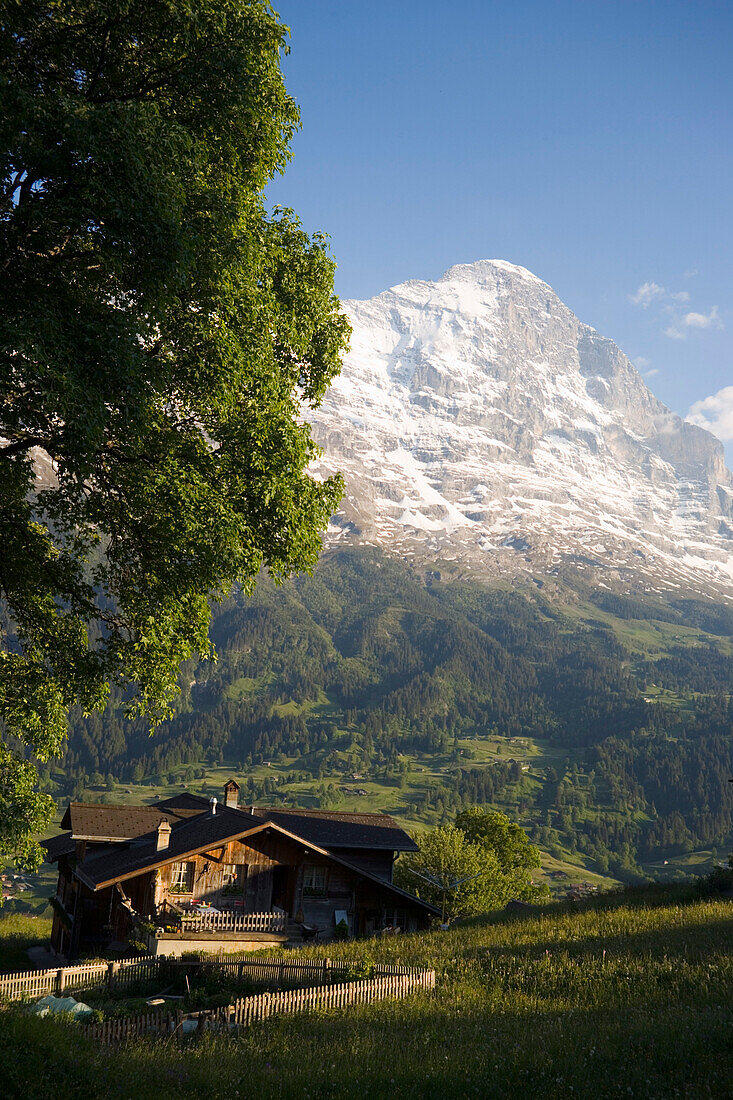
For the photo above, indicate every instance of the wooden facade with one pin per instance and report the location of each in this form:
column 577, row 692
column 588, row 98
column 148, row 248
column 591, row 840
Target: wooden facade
column 83, row 919
column 251, row 876
column 271, row 871
column 103, row 898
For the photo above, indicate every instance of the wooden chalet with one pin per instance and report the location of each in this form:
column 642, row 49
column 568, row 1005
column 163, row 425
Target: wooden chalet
column 189, row 873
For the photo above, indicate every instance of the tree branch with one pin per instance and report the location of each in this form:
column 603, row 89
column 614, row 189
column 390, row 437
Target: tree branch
column 102, row 57
column 9, row 450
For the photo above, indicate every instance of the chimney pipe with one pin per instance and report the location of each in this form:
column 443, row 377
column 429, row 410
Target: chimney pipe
column 231, row 794
column 212, row 803
column 164, row 834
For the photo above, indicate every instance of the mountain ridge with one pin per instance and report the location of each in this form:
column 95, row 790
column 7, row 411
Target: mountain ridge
column 478, row 421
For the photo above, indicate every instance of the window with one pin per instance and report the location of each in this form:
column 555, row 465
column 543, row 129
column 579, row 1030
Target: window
column 314, row 881
column 233, row 877
column 182, row 878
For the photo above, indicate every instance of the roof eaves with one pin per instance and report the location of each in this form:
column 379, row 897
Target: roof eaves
column 180, row 856
column 152, row 864
column 411, row 847
column 58, row 846
column 97, row 838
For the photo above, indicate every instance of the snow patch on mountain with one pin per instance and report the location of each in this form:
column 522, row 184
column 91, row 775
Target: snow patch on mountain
column 477, row 420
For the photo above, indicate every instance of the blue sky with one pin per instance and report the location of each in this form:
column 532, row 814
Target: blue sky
column 591, row 142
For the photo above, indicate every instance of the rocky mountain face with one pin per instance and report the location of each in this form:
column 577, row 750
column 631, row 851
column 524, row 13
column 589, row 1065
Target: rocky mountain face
column 478, row 422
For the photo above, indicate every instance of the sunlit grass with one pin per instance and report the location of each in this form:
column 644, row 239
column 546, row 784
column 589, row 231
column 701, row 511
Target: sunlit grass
column 18, row 932
column 627, row 996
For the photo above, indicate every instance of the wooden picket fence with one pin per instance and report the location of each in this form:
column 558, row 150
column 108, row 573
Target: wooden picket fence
column 283, row 972
column 272, row 971
column 249, row 1010
column 288, row 971
column 31, row 984
column 27, row 984
column 155, row 1024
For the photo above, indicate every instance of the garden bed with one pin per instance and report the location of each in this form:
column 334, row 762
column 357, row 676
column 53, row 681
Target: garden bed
column 205, row 989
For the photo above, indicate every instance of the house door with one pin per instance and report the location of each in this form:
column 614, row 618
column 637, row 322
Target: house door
column 280, row 884
column 258, row 896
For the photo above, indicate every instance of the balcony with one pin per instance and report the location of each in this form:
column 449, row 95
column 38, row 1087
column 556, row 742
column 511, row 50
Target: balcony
column 210, row 930
column 215, row 921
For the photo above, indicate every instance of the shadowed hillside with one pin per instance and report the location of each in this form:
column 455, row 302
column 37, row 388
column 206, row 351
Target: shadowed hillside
column 601, row 721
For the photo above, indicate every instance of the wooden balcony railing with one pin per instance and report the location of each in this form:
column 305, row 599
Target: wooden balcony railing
column 233, row 922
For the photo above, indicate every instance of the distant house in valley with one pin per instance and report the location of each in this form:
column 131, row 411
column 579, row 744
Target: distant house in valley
column 191, row 873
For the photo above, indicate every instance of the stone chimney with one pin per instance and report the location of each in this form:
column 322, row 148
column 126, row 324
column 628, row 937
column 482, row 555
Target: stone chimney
column 231, row 794
column 164, row 834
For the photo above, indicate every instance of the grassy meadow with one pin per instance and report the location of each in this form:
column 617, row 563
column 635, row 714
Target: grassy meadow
column 627, row 995
column 18, row 932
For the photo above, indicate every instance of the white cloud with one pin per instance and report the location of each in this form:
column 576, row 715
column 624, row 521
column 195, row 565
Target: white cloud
column 651, row 373
column 640, row 362
column 647, row 293
column 675, row 333
column 715, row 413
column 653, row 292
column 670, row 302
column 702, row 320
column 678, row 331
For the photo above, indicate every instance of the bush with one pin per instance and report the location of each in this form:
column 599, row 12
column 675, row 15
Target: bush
column 719, row 881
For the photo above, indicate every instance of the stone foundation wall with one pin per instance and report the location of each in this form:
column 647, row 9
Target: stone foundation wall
column 214, row 943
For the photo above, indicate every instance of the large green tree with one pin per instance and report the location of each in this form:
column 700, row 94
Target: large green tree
column 474, row 866
column 504, row 840
column 161, row 339
column 503, row 836
column 451, row 872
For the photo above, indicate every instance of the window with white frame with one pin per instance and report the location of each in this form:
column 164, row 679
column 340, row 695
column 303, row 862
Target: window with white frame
column 182, row 878
column 314, row 881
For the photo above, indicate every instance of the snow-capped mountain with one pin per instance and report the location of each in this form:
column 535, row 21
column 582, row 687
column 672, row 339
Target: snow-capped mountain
column 477, row 420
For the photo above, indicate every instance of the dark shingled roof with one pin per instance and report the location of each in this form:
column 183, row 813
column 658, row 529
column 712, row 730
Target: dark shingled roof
column 184, row 804
column 58, row 846
column 341, row 830
column 195, row 833
column 132, row 832
column 98, row 821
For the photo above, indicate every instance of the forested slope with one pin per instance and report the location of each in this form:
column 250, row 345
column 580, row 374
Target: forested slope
column 602, row 722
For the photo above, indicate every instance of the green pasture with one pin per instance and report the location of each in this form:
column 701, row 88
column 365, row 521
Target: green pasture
column 628, row 996
column 652, row 637
column 18, row 932
column 423, row 772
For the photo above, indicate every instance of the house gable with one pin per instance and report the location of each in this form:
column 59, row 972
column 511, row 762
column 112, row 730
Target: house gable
column 119, row 865
column 100, row 873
